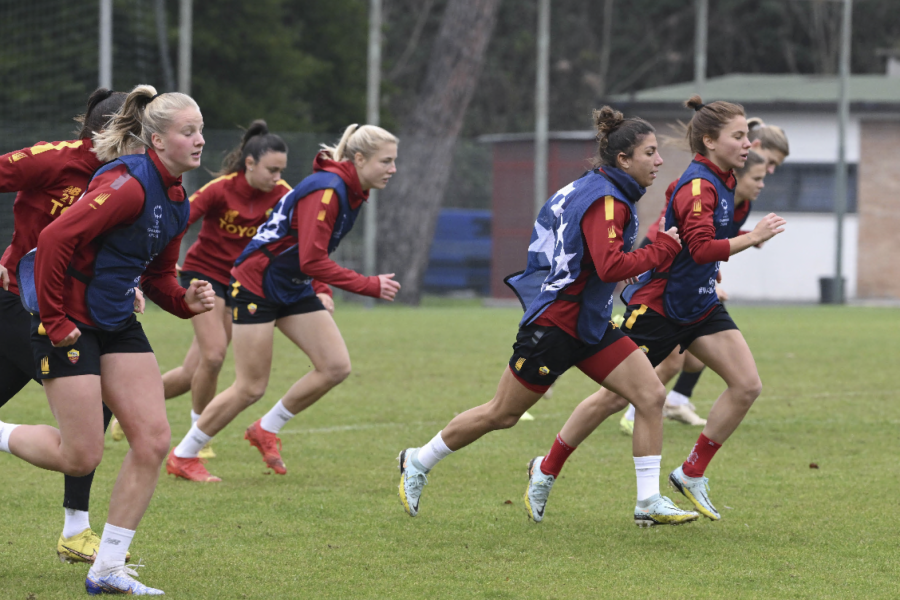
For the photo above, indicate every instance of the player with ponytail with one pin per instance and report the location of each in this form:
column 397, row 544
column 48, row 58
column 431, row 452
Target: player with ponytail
column 580, row 249
column 277, row 282
column 87, row 345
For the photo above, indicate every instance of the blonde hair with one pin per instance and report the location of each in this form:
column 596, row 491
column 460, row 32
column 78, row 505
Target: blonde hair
column 144, row 113
column 366, row 140
column 770, row 137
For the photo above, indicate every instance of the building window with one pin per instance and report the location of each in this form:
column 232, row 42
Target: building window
column 799, row 187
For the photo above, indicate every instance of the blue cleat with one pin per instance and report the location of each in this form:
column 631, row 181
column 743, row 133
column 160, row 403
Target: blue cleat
column 695, row 489
column 538, row 491
column 119, row 581
column 412, row 480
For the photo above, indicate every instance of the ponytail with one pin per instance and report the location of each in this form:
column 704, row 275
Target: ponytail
column 101, row 107
column 366, row 140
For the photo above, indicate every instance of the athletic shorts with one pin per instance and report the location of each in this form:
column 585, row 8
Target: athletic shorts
column 16, row 363
column 542, row 353
column 657, row 336
column 83, row 358
column 218, row 287
column 248, row 308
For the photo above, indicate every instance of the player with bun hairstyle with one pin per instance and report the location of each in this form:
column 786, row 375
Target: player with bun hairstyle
column 676, row 304
column 232, row 206
column 86, row 342
column 272, row 286
column 770, row 144
column 580, row 248
column 48, row 177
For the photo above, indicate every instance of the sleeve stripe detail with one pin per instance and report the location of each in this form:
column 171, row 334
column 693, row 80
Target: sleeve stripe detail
column 41, row 148
column 321, row 216
column 326, row 197
column 695, row 186
column 610, row 208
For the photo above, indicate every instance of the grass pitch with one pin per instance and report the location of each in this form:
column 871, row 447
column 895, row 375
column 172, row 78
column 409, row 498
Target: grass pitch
column 334, row 528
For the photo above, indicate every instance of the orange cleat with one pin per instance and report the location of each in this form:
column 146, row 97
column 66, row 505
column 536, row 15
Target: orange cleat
column 269, row 446
column 191, row 469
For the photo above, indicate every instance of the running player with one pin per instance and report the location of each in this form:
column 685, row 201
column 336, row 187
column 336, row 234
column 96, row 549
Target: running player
column 676, row 305
column 771, row 144
column 580, row 248
column 127, row 227
column 272, row 286
column 232, row 206
column 48, row 177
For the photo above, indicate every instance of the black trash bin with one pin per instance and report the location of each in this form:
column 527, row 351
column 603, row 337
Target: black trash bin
column 829, row 292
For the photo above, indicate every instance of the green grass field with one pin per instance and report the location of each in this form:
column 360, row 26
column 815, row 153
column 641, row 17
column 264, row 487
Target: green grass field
column 334, row 528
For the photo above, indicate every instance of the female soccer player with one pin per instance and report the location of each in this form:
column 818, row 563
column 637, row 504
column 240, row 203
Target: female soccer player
column 771, row 144
column 580, row 248
column 272, row 287
column 678, row 305
column 232, row 206
column 48, row 177
column 86, row 342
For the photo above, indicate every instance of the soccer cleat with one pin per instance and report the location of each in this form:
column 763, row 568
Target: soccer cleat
column 118, row 434
column 695, row 489
column 206, row 452
column 119, row 581
column 539, row 486
column 683, row 413
column 659, row 510
column 412, row 480
column 78, row 548
column 626, row 426
column 191, row 469
column 268, row 444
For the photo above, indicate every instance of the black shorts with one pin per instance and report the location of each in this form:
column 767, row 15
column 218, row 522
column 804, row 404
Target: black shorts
column 542, row 353
column 249, row 308
column 218, row 287
column 15, row 341
column 83, row 358
column 657, row 336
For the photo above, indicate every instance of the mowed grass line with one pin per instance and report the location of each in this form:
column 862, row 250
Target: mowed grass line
column 334, row 528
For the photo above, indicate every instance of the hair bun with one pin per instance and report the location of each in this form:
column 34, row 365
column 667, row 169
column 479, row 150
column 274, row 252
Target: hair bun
column 257, row 127
column 694, row 102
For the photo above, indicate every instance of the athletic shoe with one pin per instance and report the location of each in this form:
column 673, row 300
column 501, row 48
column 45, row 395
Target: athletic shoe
column 695, row 489
column 412, row 480
column 119, row 581
column 659, row 510
column 78, row 548
column 268, row 444
column 191, row 469
column 626, row 426
column 206, row 452
column 538, row 490
column 683, row 413
column 118, row 434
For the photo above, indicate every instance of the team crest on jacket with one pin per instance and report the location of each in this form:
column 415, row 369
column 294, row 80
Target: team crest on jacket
column 73, row 355
column 251, row 308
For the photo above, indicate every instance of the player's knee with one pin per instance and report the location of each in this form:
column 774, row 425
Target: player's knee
column 747, row 390
column 213, row 359
column 651, row 396
column 338, row 372
column 251, row 392
column 152, row 445
column 83, row 462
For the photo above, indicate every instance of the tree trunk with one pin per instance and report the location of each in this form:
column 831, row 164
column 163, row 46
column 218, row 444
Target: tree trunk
column 408, row 208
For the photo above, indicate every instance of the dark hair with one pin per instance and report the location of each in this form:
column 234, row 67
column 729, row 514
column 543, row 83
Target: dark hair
column 617, row 135
column 753, row 159
column 708, row 119
column 101, row 106
column 256, row 142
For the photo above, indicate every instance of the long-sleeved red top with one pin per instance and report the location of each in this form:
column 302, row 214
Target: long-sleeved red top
column 741, row 210
column 697, row 231
column 48, row 177
column 74, row 239
column 605, row 251
column 314, row 218
column 232, row 210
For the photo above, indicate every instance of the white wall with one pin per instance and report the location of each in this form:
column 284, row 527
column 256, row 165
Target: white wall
column 788, row 266
column 813, row 137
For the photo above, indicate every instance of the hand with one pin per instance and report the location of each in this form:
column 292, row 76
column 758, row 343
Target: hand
column 4, row 277
column 722, row 294
column 389, row 287
column 327, row 302
column 69, row 339
column 719, row 276
column 631, row 280
column 200, row 297
column 139, row 302
column 177, row 268
column 767, row 228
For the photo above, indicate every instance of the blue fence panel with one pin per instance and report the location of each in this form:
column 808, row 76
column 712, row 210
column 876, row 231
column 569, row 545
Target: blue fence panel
column 460, row 255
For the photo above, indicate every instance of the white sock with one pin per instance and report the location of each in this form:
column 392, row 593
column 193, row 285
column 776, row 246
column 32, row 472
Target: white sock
column 647, row 470
column 76, row 522
column 629, row 414
column 276, row 418
column 194, row 417
column 113, row 547
column 192, row 443
column 5, row 430
column 674, row 398
column 431, row 453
